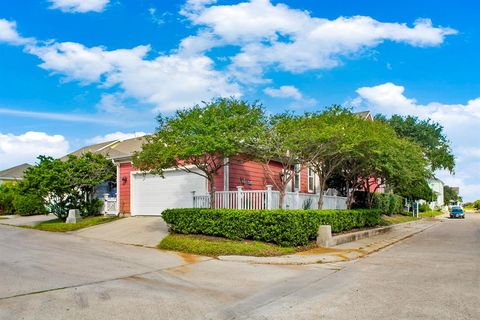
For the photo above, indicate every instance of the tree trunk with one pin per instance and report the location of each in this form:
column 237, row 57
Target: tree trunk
column 211, row 180
column 349, row 196
column 281, row 199
column 320, row 190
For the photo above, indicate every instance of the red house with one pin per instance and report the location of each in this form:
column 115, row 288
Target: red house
column 140, row 193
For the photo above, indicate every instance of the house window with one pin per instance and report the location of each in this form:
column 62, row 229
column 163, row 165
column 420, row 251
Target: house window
column 311, row 180
column 296, row 177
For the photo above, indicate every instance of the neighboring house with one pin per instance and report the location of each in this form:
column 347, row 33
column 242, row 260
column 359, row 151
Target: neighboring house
column 13, row 174
column 437, row 187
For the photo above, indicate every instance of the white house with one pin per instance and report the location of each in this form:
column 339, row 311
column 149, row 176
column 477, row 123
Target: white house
column 437, row 187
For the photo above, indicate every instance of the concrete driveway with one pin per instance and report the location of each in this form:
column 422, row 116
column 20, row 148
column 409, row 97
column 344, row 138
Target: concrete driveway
column 432, row 275
column 140, row 231
column 26, row 220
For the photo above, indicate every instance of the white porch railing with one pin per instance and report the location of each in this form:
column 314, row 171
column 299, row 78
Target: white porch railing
column 110, row 205
column 267, row 199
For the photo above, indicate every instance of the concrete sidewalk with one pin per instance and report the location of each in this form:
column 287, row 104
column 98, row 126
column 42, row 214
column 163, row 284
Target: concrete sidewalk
column 26, row 220
column 343, row 252
column 140, row 231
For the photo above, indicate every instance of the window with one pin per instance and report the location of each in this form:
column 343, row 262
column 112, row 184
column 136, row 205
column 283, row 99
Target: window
column 296, row 177
column 311, row 180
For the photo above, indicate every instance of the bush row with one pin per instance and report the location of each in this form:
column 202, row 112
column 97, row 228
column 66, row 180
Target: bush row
column 12, row 202
column 283, row 227
column 388, row 203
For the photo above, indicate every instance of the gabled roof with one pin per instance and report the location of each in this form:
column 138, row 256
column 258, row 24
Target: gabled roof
column 365, row 115
column 115, row 150
column 94, row 148
column 14, row 173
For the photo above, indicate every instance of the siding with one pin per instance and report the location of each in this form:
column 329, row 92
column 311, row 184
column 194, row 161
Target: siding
column 124, row 189
column 245, row 171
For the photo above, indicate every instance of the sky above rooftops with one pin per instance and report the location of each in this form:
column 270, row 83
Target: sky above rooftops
column 78, row 72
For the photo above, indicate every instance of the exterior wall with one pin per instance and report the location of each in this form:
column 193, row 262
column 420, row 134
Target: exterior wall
column 124, row 187
column 252, row 176
column 437, row 187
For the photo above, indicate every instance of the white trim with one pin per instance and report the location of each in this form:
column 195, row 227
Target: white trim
column 118, row 188
column 295, row 177
column 310, row 188
column 166, row 170
column 226, row 174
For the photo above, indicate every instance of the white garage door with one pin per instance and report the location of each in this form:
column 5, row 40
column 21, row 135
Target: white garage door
column 151, row 194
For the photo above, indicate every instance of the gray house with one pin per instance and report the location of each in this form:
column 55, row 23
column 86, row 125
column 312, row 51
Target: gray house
column 14, row 173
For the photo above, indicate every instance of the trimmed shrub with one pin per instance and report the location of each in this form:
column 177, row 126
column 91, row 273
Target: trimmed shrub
column 7, row 195
column 283, row 227
column 388, row 203
column 476, row 204
column 91, row 208
column 28, row 205
column 424, row 208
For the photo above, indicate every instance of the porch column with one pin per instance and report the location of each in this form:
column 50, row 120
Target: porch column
column 269, row 197
column 239, row 197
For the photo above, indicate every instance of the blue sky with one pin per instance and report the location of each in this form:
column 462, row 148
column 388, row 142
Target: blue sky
column 74, row 72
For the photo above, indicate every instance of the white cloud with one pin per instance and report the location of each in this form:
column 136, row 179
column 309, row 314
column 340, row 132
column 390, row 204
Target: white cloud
column 275, row 35
column 80, row 6
column 18, row 149
column 290, row 92
column 168, row 81
column 10, row 35
column 69, row 117
column 284, row 92
column 459, row 120
column 268, row 36
column 115, row 136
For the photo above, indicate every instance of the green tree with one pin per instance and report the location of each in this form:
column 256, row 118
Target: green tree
column 450, row 194
column 280, row 142
column 200, row 139
column 378, row 157
column 326, row 141
column 68, row 184
column 428, row 134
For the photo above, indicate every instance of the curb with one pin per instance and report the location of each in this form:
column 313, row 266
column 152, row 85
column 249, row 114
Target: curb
column 334, row 256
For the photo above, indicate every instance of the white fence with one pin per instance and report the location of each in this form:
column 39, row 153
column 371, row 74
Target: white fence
column 267, row 199
column 109, row 205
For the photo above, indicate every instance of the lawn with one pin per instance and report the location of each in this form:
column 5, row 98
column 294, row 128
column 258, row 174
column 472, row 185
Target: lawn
column 58, row 226
column 431, row 214
column 214, row 246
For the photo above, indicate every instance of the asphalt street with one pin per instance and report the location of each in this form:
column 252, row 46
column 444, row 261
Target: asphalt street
column 432, row 275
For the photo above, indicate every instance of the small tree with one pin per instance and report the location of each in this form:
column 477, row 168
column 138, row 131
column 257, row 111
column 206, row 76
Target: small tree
column 280, row 143
column 199, row 139
column 450, row 194
column 326, row 142
column 429, row 135
column 69, row 184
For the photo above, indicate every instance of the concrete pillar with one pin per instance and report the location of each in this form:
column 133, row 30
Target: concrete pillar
column 73, row 216
column 269, row 197
column 239, row 197
column 324, row 236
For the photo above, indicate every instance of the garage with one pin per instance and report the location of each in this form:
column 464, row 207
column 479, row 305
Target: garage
column 151, row 194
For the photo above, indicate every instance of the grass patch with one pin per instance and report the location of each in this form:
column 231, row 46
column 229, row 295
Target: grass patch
column 3, row 218
column 431, row 214
column 59, row 226
column 215, row 246
column 396, row 218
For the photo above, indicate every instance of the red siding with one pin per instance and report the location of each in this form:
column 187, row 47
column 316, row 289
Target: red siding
column 124, row 188
column 242, row 172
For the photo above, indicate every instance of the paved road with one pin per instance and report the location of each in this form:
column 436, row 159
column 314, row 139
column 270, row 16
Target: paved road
column 433, row 275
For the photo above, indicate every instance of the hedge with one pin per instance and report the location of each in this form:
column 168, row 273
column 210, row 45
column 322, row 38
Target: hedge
column 388, row 203
column 28, row 205
column 283, row 227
